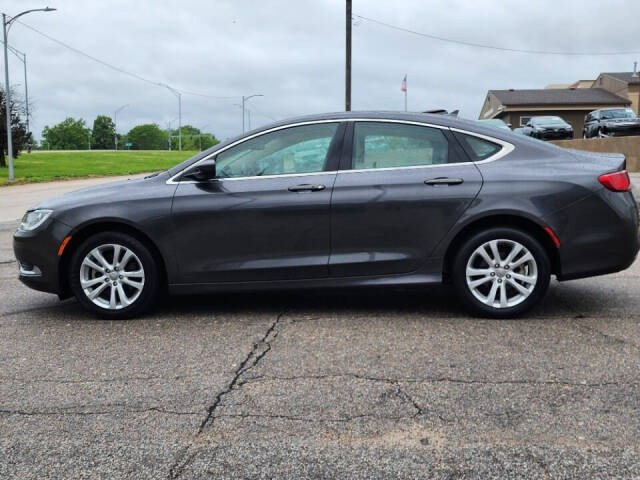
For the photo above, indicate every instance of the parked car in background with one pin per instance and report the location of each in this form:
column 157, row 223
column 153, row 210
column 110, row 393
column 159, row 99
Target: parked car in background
column 548, row 128
column 495, row 123
column 611, row 122
column 341, row 200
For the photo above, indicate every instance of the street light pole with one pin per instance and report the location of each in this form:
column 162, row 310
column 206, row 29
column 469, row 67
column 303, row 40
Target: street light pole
column 115, row 124
column 23, row 58
column 179, row 97
column 6, row 26
column 244, row 99
column 200, row 135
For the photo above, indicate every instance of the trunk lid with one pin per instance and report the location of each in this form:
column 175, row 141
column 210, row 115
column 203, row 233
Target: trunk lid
column 604, row 162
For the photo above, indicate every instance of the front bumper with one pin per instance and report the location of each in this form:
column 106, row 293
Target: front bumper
column 37, row 255
column 622, row 130
column 556, row 135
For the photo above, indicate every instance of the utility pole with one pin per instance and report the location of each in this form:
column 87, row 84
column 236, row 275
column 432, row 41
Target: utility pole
column 6, row 25
column 347, row 79
column 115, row 124
column 89, row 137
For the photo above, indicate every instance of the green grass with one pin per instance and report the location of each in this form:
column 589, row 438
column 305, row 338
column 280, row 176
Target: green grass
column 48, row 166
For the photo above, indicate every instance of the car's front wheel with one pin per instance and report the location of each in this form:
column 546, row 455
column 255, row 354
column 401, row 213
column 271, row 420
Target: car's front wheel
column 114, row 275
column 501, row 272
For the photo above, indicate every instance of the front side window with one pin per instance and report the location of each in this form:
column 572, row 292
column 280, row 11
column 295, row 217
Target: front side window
column 387, row 144
column 302, row 149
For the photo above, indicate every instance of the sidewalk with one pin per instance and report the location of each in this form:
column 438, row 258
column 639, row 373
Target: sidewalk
column 14, row 200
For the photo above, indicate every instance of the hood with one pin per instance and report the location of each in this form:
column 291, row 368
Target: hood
column 97, row 194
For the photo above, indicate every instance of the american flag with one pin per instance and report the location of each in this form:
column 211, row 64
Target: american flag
column 404, row 84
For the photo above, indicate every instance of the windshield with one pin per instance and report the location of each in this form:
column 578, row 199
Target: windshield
column 547, row 121
column 617, row 113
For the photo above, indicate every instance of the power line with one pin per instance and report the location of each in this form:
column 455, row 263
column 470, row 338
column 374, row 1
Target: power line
column 118, row 69
column 490, row 47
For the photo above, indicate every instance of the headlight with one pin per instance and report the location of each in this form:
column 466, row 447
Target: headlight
column 34, row 219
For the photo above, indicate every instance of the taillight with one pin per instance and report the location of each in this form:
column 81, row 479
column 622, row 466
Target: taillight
column 616, row 181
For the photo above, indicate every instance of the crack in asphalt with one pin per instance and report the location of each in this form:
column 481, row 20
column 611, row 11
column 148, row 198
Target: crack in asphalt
column 610, row 338
column 93, row 412
column 437, row 380
column 104, row 380
column 578, row 315
column 257, row 353
column 297, row 418
column 6, row 262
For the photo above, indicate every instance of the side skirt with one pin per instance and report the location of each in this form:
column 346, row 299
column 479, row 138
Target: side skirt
column 413, row 278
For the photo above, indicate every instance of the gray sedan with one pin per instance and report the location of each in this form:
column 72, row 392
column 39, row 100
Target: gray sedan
column 341, row 200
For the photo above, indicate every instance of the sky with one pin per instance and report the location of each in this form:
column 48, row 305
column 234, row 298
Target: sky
column 293, row 53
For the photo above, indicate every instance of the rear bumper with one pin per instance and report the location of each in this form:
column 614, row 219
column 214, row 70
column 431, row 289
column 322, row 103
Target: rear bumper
column 37, row 256
column 598, row 235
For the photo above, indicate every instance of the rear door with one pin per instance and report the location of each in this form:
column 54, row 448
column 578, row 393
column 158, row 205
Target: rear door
column 400, row 188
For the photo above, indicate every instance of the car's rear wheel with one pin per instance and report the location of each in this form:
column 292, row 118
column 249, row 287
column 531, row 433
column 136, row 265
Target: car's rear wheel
column 501, row 272
column 114, row 275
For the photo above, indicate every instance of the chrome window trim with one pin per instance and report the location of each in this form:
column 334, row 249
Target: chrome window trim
column 506, row 149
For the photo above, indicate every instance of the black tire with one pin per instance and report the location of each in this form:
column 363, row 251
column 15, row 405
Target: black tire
column 146, row 298
column 459, row 278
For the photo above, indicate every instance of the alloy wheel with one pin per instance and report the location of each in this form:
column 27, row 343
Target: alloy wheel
column 501, row 273
column 112, row 276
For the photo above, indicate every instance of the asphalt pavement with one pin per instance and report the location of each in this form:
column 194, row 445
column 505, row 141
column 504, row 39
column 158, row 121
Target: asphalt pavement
column 325, row 384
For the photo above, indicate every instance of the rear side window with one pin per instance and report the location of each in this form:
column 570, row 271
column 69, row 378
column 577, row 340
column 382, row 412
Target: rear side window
column 387, row 144
column 479, row 148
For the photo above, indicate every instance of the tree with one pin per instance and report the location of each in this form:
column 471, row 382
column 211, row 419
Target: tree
column 102, row 137
column 193, row 138
column 148, row 137
column 19, row 136
column 70, row 134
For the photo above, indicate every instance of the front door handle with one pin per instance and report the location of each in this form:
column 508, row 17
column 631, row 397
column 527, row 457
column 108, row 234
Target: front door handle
column 305, row 187
column 443, row 181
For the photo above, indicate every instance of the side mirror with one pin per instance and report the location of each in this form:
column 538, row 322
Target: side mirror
column 509, row 125
column 202, row 172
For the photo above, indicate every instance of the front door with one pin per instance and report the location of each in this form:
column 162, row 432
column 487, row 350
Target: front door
column 402, row 190
column 266, row 216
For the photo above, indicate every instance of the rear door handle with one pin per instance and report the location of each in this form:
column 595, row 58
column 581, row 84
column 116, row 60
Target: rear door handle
column 305, row 187
column 443, row 181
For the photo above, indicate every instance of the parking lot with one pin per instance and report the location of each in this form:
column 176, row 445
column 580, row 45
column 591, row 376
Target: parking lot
column 341, row 384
